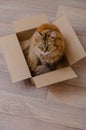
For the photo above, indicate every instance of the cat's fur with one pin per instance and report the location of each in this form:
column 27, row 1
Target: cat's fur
column 46, row 48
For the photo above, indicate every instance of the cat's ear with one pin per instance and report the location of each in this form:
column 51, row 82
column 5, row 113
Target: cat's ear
column 37, row 35
column 53, row 34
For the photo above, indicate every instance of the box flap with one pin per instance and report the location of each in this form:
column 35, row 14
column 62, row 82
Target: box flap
column 74, row 50
column 54, row 77
column 14, row 58
column 29, row 23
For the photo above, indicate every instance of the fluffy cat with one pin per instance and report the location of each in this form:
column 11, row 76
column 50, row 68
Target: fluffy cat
column 44, row 49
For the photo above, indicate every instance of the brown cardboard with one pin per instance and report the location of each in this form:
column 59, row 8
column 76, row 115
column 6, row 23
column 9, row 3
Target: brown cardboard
column 15, row 59
column 77, row 17
column 29, row 23
column 12, row 50
column 74, row 50
column 54, row 77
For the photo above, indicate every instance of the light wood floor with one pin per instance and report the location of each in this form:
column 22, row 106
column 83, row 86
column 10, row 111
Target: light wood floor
column 57, row 107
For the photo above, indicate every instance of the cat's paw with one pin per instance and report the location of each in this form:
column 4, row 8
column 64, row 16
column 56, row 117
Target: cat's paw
column 42, row 69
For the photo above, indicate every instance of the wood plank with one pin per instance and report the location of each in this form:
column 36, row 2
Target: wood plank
column 6, row 29
column 24, row 88
column 81, row 80
column 15, row 10
column 76, row 17
column 82, row 63
column 40, row 4
column 67, row 94
column 12, row 14
column 14, row 122
column 43, row 109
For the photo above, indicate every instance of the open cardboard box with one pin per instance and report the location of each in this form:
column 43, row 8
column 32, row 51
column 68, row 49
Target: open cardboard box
column 15, row 59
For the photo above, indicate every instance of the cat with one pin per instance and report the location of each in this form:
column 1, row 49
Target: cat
column 44, row 49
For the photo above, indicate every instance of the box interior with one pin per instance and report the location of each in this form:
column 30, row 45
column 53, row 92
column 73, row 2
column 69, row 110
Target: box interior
column 26, row 35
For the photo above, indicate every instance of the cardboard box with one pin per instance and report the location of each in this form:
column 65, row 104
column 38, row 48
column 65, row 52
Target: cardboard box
column 16, row 61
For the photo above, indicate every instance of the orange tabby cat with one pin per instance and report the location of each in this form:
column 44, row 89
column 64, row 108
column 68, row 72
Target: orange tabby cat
column 46, row 49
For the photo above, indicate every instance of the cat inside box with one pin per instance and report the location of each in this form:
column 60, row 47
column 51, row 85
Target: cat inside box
column 43, row 48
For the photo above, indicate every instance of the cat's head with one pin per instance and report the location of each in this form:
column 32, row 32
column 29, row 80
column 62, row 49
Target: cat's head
column 46, row 38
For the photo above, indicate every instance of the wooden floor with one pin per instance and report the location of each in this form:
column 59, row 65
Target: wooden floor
column 57, row 107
